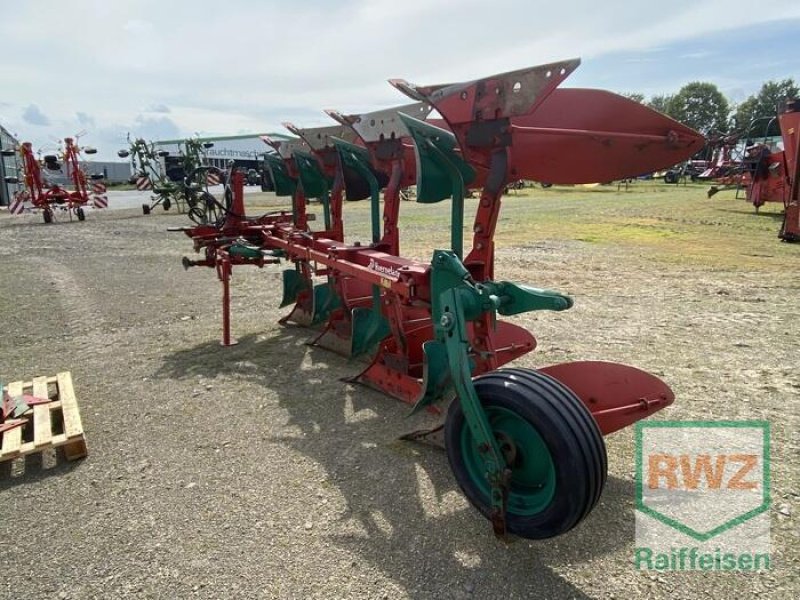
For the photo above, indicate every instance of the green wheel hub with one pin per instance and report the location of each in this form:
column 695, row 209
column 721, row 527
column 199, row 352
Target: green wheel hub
column 533, row 474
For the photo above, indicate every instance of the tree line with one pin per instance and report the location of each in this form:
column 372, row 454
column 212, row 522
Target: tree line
column 701, row 106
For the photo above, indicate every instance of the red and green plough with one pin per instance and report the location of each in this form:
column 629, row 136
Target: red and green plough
column 525, row 444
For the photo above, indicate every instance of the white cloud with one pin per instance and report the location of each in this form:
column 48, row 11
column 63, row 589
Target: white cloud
column 33, row 115
column 242, row 65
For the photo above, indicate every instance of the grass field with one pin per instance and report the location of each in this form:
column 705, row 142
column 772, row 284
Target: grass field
column 671, row 223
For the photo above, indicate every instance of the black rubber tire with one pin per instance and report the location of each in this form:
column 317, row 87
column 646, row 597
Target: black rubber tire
column 146, row 209
column 166, row 203
column 50, row 158
column 567, row 428
column 670, row 177
column 546, row 185
column 47, row 215
column 80, row 214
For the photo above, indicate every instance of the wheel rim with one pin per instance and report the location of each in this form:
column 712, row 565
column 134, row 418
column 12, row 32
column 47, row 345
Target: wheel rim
column 533, row 475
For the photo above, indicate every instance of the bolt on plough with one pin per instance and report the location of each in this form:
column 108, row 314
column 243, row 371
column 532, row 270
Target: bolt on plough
column 525, row 445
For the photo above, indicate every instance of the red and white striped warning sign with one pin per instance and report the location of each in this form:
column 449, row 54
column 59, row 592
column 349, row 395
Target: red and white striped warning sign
column 212, row 178
column 17, row 205
column 143, row 183
column 99, row 198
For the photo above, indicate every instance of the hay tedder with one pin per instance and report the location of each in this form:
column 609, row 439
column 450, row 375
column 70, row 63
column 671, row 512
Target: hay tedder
column 148, row 172
column 525, row 445
column 183, row 182
column 38, row 194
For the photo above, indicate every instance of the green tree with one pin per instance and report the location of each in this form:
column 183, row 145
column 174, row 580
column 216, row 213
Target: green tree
column 635, row 96
column 701, row 106
column 661, row 103
column 765, row 104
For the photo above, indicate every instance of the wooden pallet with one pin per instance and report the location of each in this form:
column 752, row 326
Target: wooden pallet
column 50, row 425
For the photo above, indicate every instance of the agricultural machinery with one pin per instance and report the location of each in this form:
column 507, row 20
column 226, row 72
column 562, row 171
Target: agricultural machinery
column 776, row 174
column 181, row 180
column 770, row 174
column 38, row 194
column 148, row 171
column 525, row 445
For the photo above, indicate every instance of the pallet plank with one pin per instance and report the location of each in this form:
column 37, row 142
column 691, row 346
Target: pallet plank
column 12, row 440
column 42, row 423
column 73, row 426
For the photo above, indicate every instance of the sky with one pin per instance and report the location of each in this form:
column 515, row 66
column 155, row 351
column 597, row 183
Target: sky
column 170, row 69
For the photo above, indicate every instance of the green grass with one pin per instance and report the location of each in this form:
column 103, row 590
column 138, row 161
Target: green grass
column 670, row 223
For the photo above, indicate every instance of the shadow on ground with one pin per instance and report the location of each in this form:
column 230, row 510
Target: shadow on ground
column 35, row 467
column 409, row 517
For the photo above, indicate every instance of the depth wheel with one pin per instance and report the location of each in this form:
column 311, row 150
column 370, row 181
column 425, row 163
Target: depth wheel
column 145, row 209
column 80, row 214
column 551, row 443
column 48, row 215
column 167, row 203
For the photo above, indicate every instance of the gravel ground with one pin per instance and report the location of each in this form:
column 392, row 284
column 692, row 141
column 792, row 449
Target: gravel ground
column 253, row 472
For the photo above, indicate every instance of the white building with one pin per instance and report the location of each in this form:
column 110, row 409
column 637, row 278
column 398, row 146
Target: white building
column 246, row 150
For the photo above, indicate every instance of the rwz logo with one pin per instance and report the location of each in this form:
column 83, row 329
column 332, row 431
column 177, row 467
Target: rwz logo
column 688, row 472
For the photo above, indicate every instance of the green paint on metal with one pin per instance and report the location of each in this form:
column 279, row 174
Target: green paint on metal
column 293, row 283
column 326, row 209
column 441, row 173
column 435, row 375
column 315, row 183
column 533, row 474
column 514, row 299
column 285, row 185
column 369, row 327
column 358, row 159
column 434, row 174
column 325, row 301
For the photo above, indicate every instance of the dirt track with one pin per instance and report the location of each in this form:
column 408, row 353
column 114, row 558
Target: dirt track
column 253, row 472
